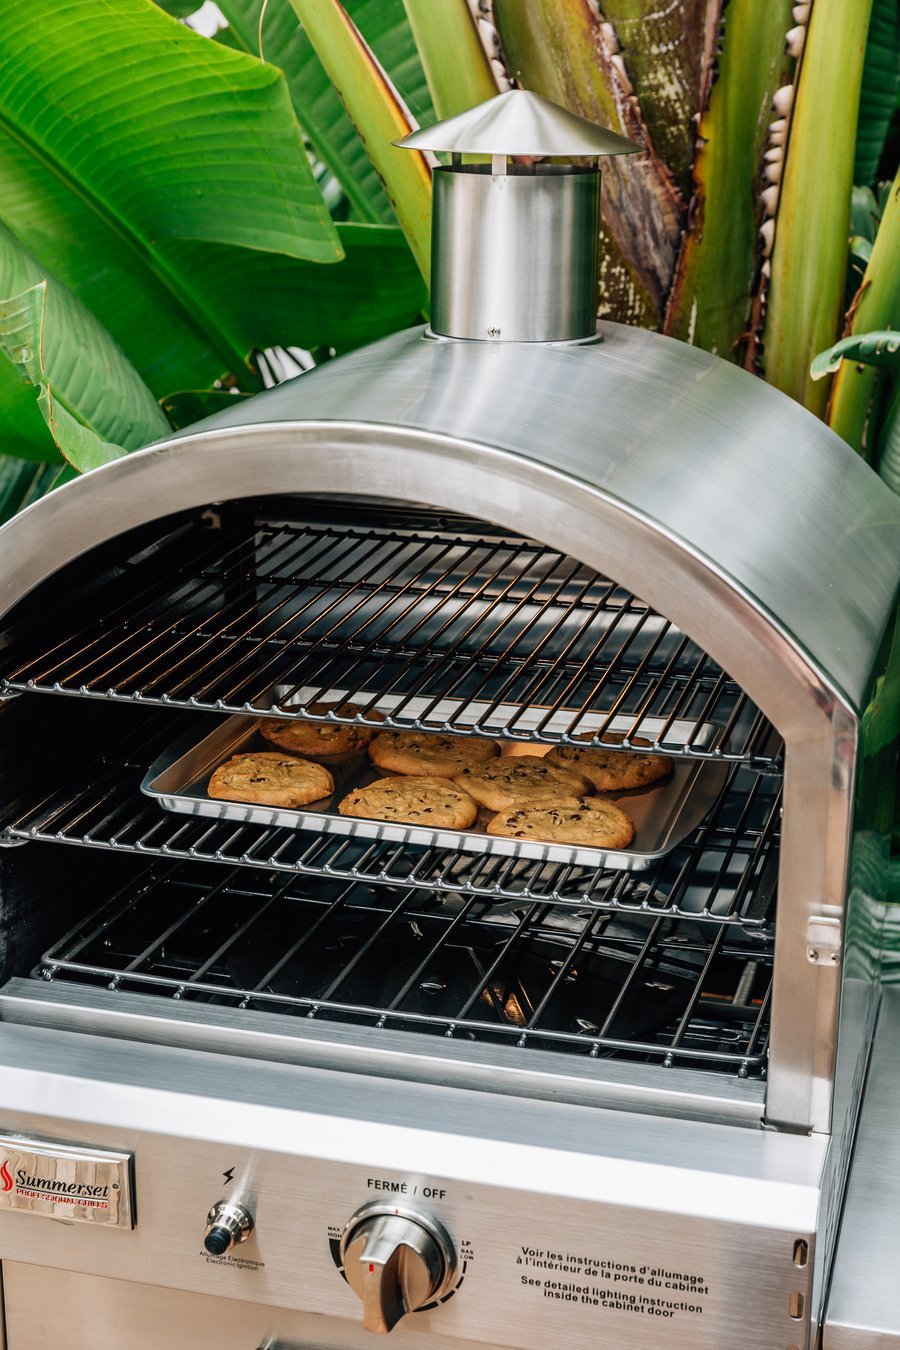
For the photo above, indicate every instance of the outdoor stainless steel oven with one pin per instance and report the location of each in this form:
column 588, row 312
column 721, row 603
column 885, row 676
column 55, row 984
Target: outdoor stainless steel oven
column 250, row 1072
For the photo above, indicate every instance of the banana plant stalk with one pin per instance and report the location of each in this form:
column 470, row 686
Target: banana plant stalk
column 809, row 256
column 456, row 64
column 877, row 306
column 709, row 303
column 878, row 353
column 378, row 114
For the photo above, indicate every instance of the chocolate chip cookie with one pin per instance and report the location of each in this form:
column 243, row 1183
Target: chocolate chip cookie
column 516, row 780
column 612, row 770
column 430, row 754
column 270, row 779
column 592, row 821
column 324, row 742
column 433, row 802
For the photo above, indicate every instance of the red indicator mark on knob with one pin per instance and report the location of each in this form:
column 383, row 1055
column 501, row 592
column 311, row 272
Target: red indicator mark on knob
column 371, row 1269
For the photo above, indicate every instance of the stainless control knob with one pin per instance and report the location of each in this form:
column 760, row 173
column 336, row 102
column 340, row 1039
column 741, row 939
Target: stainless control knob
column 226, row 1226
column 395, row 1260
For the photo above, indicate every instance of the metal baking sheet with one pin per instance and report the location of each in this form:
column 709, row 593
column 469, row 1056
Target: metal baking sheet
column 663, row 813
column 520, row 724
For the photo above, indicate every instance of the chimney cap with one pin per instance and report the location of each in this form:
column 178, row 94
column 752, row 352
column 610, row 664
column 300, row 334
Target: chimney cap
column 519, row 123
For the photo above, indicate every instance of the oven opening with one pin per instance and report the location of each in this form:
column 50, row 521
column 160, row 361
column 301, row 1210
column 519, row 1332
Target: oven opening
column 662, row 955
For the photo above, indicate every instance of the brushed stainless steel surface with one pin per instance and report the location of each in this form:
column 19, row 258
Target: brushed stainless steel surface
column 514, row 257
column 519, row 123
column 664, row 814
column 227, row 1224
column 406, row 1056
column 535, row 1196
column 397, row 1260
column 863, row 1311
column 65, row 1310
column 641, row 429
column 74, row 1182
column 630, row 456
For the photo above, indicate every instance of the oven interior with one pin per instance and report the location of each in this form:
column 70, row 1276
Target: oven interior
column 443, row 623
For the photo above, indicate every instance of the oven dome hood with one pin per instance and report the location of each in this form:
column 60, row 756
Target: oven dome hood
column 660, row 452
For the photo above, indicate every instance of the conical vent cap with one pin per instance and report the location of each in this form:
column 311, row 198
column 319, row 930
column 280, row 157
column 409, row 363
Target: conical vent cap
column 519, row 123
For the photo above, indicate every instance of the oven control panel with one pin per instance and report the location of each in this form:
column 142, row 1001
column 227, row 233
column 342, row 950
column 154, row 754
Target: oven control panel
column 514, row 1223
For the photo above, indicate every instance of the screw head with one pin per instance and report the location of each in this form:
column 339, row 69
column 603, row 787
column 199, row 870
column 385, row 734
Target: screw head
column 493, row 331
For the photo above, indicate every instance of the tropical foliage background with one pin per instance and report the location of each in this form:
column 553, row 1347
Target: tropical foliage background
column 182, row 192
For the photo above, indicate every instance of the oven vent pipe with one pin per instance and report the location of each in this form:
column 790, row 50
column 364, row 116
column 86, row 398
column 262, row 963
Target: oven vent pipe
column 514, row 245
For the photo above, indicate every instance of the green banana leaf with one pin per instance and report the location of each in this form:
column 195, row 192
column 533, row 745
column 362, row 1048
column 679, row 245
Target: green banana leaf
column 865, row 213
column 558, row 48
column 23, row 432
column 159, row 324
column 809, row 258
column 245, row 297
column 22, row 483
column 881, row 349
column 121, row 131
column 860, row 253
column 875, row 309
column 889, row 441
column 871, row 349
column 50, row 343
column 93, row 402
column 129, row 80
column 319, row 109
column 456, row 65
column 191, row 405
column 880, row 88
column 378, row 115
column 267, row 300
column 710, row 300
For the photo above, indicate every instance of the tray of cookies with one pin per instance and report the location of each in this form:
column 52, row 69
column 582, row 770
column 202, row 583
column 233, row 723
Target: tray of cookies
column 597, row 806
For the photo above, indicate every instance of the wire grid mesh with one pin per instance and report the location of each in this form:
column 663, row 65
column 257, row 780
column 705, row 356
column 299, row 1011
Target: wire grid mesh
column 723, row 872
column 452, row 630
column 658, row 989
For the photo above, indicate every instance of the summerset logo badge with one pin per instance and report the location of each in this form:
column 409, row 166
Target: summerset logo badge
column 57, row 1192
column 73, row 1182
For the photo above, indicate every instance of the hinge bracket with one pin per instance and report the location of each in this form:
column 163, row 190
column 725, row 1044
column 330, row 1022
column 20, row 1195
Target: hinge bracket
column 824, row 941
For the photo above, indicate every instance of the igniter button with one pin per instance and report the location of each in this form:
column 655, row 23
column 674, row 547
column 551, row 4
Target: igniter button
column 226, row 1226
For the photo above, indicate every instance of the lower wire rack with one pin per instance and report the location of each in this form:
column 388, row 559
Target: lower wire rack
column 656, row 989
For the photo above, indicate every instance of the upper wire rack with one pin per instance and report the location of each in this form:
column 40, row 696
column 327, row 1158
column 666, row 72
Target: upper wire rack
column 450, row 631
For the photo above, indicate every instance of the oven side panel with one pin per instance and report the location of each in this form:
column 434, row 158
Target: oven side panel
column 871, row 890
